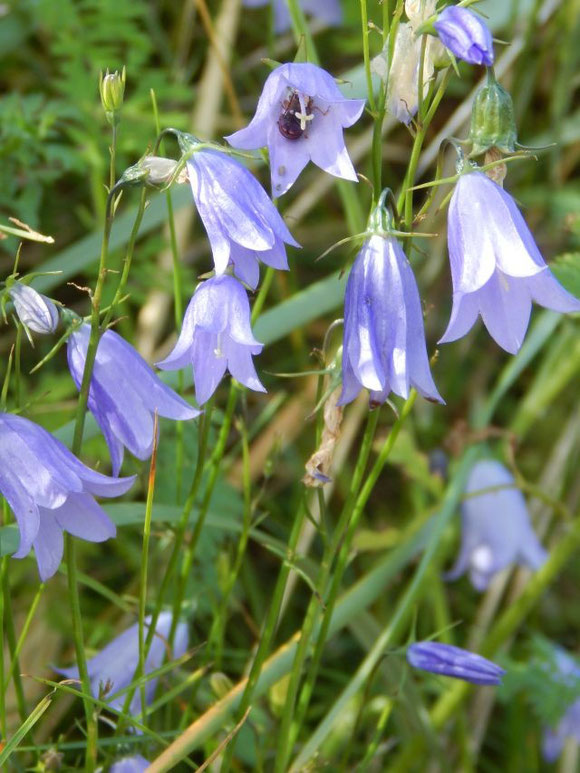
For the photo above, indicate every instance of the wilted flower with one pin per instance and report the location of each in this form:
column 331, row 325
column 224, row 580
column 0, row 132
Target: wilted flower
column 36, row 312
column 300, row 116
column 496, row 529
column 113, row 668
column 328, row 11
column 242, row 224
column 402, row 76
column 384, row 340
column 134, row 764
column 554, row 739
column 447, row 660
column 496, row 267
column 216, row 335
column 124, row 394
column 466, row 35
column 51, row 491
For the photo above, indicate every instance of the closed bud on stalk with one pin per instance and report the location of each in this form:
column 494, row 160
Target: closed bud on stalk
column 492, row 119
column 220, row 684
column 160, row 170
column 112, row 90
column 36, row 312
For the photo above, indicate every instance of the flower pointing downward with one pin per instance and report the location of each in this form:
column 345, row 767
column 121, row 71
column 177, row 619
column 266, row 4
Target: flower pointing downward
column 496, row 267
column 216, row 335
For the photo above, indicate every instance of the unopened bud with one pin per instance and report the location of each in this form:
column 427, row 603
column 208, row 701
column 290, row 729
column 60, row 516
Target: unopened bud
column 35, row 311
column 160, row 170
column 112, row 89
column 492, row 119
column 220, row 684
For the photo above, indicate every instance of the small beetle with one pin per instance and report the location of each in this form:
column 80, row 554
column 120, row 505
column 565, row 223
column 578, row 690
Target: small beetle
column 292, row 122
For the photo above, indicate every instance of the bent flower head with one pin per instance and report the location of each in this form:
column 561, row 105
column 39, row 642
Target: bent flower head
column 327, row 11
column 495, row 527
column 447, row 660
column 496, row 267
column 300, row 116
column 113, row 668
column 243, row 225
column 51, row 491
column 384, row 339
column 125, row 393
column 216, row 335
column 36, row 312
column 466, row 35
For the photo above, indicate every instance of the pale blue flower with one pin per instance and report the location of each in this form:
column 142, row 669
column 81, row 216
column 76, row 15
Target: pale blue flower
column 466, row 35
column 495, row 526
column 384, row 340
column 216, row 335
column 36, row 312
column 243, row 226
column 553, row 739
column 496, row 267
column 125, row 393
column 328, row 11
column 51, row 491
column 448, row 660
column 135, row 764
column 300, row 116
column 113, row 668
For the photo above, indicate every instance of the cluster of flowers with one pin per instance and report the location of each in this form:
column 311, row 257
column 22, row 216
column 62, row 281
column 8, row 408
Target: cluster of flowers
column 497, row 271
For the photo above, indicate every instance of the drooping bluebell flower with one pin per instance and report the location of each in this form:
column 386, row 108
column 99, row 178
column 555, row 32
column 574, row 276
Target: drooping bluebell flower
column 134, row 764
column 242, row 224
column 384, row 339
column 124, row 394
column 553, row 739
column 495, row 526
column 466, row 35
column 113, row 668
column 36, row 312
column 328, row 11
column 448, row 660
column 496, row 267
column 216, row 335
column 51, row 491
column 300, row 116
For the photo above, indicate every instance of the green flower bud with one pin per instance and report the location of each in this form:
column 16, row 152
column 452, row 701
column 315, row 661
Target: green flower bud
column 112, row 90
column 492, row 119
column 220, row 684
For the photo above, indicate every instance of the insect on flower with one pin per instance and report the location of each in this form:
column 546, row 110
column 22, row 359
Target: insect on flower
column 294, row 118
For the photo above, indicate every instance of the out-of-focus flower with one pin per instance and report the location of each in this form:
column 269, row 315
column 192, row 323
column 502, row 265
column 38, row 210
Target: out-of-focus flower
column 496, row 529
column 466, row 35
column 402, row 76
column 113, row 668
column 496, row 267
column 51, row 491
column 124, row 395
column 242, row 224
column 447, row 660
column 328, row 11
column 216, row 335
column 384, row 339
column 36, row 312
column 130, row 765
column 300, row 116
column 553, row 739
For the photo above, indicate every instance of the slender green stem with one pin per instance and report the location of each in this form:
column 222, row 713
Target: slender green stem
column 77, row 627
column 8, row 628
column 269, row 625
column 128, row 259
column 215, row 639
column 364, row 18
column 214, row 470
column 113, row 161
column 14, row 666
column 144, row 568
